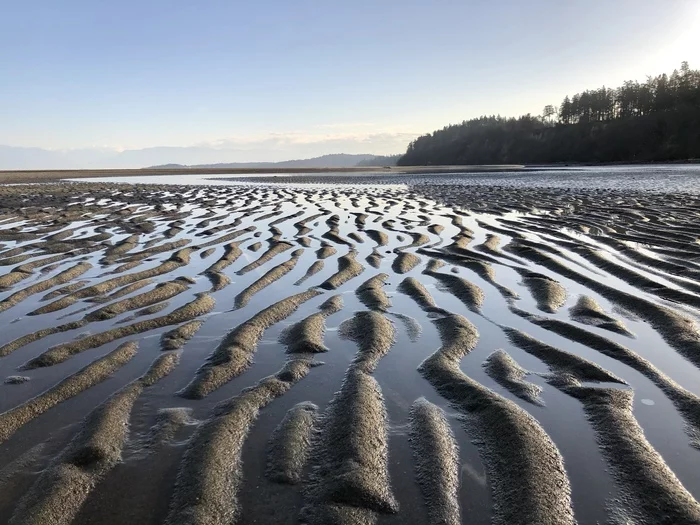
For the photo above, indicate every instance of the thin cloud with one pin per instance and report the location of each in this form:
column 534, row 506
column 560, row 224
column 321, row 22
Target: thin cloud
column 271, row 147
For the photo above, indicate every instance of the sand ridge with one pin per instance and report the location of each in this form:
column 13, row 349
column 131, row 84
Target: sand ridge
column 557, row 314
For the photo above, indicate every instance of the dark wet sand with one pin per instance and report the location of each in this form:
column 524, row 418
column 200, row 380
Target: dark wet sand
column 407, row 349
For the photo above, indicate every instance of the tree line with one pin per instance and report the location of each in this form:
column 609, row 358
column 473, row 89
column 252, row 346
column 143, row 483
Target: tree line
column 658, row 120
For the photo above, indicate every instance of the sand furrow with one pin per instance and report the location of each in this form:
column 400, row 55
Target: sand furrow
column 286, row 218
column 348, row 268
column 121, row 292
column 528, row 480
column 374, row 335
column 290, row 442
column 210, row 473
column 378, row 236
column 349, row 458
column 304, row 241
column 231, row 254
column 374, row 259
column 276, row 273
column 356, row 237
column 315, row 267
column 419, row 293
column 168, row 422
column 410, row 324
column 201, row 305
column 687, row 403
column 651, row 492
column 491, row 246
column 301, row 225
column 640, row 281
column 560, row 361
column 207, row 253
column 178, row 337
column 92, row 374
column 333, row 235
column 61, row 489
column 125, row 267
column 64, row 290
column 40, row 263
column 588, row 311
column 154, row 250
column 62, row 278
column 229, row 236
column 10, row 347
column 349, row 481
column 17, row 259
column 662, row 265
column 549, row 294
column 503, row 369
column 276, row 248
column 482, row 268
column 325, row 251
column 12, row 471
column 405, row 262
column 467, row 292
column 437, row 463
column 235, row 352
column 178, row 259
column 371, row 293
column 599, row 239
column 679, row 331
column 436, row 229
column 161, row 292
column 306, row 336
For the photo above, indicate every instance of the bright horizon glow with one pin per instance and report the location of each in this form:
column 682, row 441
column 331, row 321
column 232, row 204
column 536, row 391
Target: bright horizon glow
column 685, row 47
column 277, row 80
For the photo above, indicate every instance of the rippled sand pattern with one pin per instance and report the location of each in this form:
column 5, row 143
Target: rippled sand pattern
column 277, row 352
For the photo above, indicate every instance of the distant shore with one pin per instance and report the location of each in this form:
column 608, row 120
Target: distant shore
column 27, row 176
column 36, row 176
column 618, row 163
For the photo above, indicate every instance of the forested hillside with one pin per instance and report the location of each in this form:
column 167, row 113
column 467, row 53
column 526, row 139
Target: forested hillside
column 379, row 160
column 658, row 120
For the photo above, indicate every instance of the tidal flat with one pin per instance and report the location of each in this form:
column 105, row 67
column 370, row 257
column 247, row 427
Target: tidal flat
column 389, row 348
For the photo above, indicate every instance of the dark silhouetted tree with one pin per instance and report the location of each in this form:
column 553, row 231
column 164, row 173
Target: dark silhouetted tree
column 652, row 121
column 548, row 112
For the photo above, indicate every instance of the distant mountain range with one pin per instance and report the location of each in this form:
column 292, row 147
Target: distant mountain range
column 336, row 160
column 20, row 158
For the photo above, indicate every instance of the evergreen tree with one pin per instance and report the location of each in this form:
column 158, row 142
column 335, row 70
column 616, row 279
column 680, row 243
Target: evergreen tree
column 653, row 121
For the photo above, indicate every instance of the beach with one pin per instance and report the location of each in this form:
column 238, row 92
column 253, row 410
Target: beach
column 499, row 346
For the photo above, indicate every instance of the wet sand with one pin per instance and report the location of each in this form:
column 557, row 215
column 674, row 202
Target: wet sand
column 404, row 349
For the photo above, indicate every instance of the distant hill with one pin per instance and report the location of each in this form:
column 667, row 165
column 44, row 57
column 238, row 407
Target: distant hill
column 379, row 160
column 654, row 121
column 336, row 160
column 23, row 158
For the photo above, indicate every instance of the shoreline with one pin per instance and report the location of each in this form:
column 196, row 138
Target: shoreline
column 40, row 176
column 27, row 176
column 213, row 311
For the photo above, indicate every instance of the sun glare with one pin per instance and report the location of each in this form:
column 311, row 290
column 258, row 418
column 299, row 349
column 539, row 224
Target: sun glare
column 684, row 47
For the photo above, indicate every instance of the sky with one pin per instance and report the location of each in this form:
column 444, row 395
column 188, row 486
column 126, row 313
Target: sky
column 278, row 79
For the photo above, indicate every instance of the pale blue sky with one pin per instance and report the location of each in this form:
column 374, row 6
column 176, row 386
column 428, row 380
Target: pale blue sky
column 136, row 74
